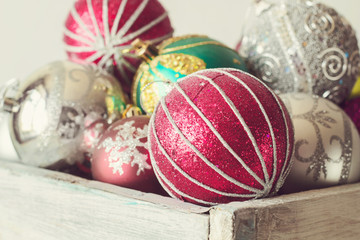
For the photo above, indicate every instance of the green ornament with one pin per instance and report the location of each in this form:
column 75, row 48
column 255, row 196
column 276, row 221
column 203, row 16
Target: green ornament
column 175, row 58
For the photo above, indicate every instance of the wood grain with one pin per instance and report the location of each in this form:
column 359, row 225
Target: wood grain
column 331, row 213
column 42, row 204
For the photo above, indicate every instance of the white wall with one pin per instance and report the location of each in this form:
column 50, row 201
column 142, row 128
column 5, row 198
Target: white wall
column 31, row 30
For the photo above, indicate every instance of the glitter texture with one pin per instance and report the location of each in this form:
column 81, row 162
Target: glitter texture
column 122, row 158
column 326, row 151
column 220, row 135
column 99, row 31
column 301, row 46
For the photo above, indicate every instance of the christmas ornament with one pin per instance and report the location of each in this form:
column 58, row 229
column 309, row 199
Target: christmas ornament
column 54, row 105
column 301, row 46
column 174, row 59
column 220, row 135
column 97, row 31
column 352, row 108
column 326, row 146
column 122, row 158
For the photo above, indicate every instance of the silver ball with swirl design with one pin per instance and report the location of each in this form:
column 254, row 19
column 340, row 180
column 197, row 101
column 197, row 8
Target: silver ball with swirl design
column 301, row 46
column 53, row 106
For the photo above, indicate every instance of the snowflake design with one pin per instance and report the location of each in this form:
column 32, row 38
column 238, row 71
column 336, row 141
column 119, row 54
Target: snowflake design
column 125, row 148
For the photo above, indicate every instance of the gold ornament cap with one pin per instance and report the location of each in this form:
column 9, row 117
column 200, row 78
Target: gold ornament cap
column 131, row 111
column 144, row 50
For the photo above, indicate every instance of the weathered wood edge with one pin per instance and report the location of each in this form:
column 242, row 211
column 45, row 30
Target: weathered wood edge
column 42, row 204
column 295, row 216
column 329, row 213
column 17, row 168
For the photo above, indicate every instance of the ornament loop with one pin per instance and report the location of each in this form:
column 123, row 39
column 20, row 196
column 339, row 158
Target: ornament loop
column 144, row 50
column 7, row 102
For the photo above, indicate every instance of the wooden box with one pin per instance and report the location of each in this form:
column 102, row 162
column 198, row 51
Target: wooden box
column 41, row 204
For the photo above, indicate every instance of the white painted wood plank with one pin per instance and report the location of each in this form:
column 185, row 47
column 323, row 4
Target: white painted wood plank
column 42, row 204
column 331, row 213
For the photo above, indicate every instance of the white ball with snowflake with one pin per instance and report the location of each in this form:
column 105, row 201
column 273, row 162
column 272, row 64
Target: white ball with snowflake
column 121, row 156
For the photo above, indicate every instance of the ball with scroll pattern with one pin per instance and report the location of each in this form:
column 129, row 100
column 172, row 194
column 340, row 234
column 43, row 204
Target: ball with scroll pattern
column 326, row 145
column 302, row 46
column 220, row 135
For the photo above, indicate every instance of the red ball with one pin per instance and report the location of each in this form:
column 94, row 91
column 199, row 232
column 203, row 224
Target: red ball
column 219, row 136
column 97, row 31
column 122, row 158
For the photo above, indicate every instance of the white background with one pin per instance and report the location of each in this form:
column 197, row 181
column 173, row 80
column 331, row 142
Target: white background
column 31, row 32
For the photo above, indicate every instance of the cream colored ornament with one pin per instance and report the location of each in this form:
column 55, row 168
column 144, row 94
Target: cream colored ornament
column 327, row 144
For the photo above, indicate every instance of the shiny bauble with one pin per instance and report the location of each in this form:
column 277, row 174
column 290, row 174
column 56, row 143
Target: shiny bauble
column 326, row 150
column 219, row 136
column 52, row 108
column 98, row 31
column 174, row 59
column 352, row 108
column 301, row 46
column 122, row 158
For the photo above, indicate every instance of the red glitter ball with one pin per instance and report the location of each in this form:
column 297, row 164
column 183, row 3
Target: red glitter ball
column 219, row 136
column 98, row 31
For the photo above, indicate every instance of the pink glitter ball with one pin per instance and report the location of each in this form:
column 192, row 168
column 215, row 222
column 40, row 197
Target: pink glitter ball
column 352, row 108
column 219, row 136
column 122, row 158
column 98, row 31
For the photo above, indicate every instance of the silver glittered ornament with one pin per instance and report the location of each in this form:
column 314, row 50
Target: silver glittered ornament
column 53, row 106
column 301, row 46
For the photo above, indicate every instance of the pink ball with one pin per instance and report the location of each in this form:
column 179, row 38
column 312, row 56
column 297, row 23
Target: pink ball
column 122, row 158
column 93, row 35
column 220, row 135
